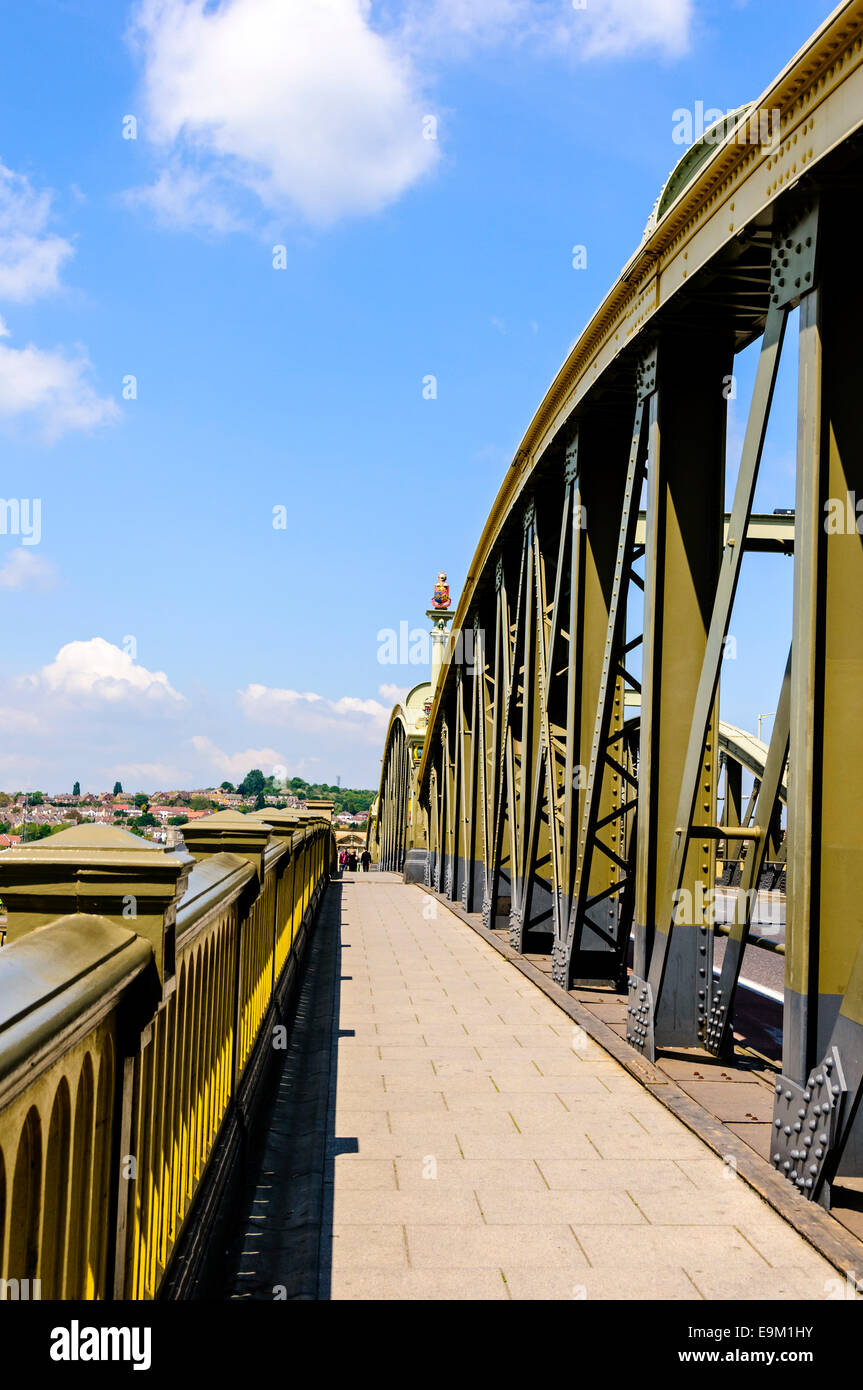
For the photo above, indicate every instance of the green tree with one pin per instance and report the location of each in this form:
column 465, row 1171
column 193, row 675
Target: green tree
column 260, row 803
column 252, row 783
column 37, row 832
column 35, row 799
column 76, row 790
column 177, row 820
column 118, row 787
column 201, row 803
column 226, row 786
column 142, row 800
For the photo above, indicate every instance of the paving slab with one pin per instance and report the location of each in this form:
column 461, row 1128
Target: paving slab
column 480, row 1146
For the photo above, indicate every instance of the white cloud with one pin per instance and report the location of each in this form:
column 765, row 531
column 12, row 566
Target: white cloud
column 396, row 694
column 30, row 257
column 162, row 775
column 232, row 767
column 313, row 714
column 619, row 27
column 97, row 670
column 303, row 105
column 184, row 198
column 51, row 388
column 20, row 719
column 24, row 569
column 602, row 29
column 316, row 107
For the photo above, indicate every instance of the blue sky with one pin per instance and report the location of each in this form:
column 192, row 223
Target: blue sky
column 162, row 630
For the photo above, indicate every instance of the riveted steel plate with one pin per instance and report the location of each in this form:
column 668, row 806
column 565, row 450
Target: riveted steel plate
column 805, row 1121
column 639, row 1017
column 792, row 260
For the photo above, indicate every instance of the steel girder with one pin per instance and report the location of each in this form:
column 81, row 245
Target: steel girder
column 553, row 803
column 394, row 799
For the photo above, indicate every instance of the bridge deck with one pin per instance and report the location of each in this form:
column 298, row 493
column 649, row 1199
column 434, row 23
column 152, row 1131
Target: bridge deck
column 443, row 1130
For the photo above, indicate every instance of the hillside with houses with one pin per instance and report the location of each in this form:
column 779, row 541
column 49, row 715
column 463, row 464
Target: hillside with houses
column 160, row 816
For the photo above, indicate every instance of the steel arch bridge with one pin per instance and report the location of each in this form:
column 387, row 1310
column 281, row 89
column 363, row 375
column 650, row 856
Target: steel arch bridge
column 568, row 778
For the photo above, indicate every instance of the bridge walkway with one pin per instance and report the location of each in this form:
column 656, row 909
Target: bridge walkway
column 442, row 1130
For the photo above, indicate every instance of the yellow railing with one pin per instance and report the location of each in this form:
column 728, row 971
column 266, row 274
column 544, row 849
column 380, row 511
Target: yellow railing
column 101, row 1057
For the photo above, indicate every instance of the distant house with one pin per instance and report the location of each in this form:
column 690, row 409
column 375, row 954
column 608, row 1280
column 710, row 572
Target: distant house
column 166, row 812
column 7, row 841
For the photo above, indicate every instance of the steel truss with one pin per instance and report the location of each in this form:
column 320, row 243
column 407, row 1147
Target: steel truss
column 573, row 798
